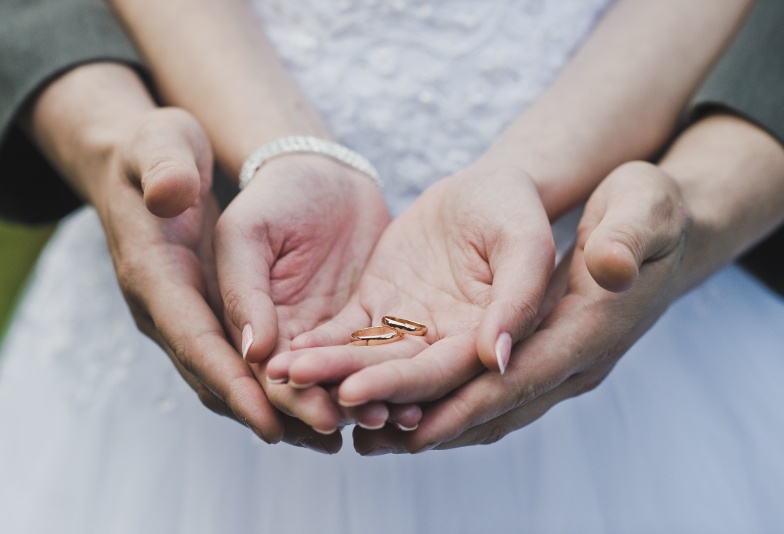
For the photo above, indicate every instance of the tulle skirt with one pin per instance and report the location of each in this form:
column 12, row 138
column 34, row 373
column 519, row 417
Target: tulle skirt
column 99, row 434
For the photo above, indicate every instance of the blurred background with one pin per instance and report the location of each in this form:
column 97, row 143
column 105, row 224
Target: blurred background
column 19, row 248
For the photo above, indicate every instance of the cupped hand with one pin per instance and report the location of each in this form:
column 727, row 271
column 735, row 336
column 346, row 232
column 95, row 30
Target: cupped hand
column 470, row 259
column 612, row 287
column 290, row 249
column 165, row 266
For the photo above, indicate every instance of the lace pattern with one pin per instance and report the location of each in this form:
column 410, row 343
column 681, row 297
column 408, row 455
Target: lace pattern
column 422, row 88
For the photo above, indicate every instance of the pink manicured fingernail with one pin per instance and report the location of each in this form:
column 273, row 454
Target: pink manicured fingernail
column 326, row 432
column 405, row 428
column 503, row 349
column 247, row 339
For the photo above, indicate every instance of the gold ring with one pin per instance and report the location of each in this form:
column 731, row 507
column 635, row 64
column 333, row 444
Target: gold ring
column 404, row 325
column 375, row 335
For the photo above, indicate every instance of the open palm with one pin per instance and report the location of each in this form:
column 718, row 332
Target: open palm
column 290, row 250
column 471, row 260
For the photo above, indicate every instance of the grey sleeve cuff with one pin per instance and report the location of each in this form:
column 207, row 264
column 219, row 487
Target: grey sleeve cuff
column 39, row 40
column 749, row 79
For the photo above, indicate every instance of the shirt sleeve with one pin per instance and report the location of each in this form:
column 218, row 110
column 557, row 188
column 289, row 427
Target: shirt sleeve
column 749, row 81
column 749, row 78
column 39, row 40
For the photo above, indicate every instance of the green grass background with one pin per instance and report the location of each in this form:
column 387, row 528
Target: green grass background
column 19, row 248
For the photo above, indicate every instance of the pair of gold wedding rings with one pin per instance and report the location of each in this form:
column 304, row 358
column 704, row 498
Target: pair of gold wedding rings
column 392, row 329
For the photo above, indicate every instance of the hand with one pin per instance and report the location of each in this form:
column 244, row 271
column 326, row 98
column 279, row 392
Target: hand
column 470, row 259
column 290, row 250
column 613, row 286
column 165, row 265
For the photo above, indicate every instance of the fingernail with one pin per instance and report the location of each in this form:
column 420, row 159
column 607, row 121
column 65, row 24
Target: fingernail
column 247, row 339
column 347, row 404
column 503, row 349
column 426, row 448
column 259, row 434
column 368, row 427
column 296, row 385
column 326, row 432
column 378, row 451
column 405, row 428
column 316, row 445
column 276, row 380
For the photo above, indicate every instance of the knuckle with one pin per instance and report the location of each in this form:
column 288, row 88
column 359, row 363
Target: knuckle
column 460, row 414
column 494, row 432
column 128, row 278
column 212, row 403
column 141, row 321
column 585, row 382
column 632, row 238
column 526, row 390
column 526, row 312
column 181, row 353
column 232, row 303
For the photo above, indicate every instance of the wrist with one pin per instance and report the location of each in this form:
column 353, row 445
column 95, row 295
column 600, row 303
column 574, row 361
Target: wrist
column 563, row 156
column 731, row 174
column 80, row 119
column 319, row 171
column 306, row 145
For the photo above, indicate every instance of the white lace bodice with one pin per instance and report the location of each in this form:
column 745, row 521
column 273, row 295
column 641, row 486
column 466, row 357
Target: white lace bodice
column 422, row 88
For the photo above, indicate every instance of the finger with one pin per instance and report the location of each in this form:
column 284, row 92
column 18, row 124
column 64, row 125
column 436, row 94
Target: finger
column 301, row 435
column 521, row 260
column 321, row 365
column 243, row 276
column 556, row 288
column 336, row 331
column 207, row 397
column 437, row 370
column 195, row 337
column 170, row 159
column 495, row 429
column 636, row 216
column 371, row 416
column 539, row 364
column 313, row 406
column 405, row 417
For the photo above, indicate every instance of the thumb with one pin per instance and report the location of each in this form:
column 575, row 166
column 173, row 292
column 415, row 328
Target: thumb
column 635, row 216
column 522, row 265
column 169, row 157
column 244, row 280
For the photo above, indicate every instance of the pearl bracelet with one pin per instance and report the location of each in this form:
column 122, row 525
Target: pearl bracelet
column 305, row 144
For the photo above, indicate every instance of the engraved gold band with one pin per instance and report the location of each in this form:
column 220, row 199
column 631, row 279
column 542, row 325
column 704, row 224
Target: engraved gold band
column 404, row 325
column 375, row 335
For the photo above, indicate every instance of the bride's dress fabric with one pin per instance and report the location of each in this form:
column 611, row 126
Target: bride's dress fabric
column 98, row 433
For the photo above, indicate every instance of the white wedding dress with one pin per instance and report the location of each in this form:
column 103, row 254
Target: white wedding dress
column 98, row 433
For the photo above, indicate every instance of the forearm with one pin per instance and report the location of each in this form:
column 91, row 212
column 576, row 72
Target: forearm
column 212, row 59
column 79, row 119
column 619, row 98
column 731, row 174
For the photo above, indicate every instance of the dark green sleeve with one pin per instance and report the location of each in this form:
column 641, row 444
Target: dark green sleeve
column 39, row 40
column 749, row 81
